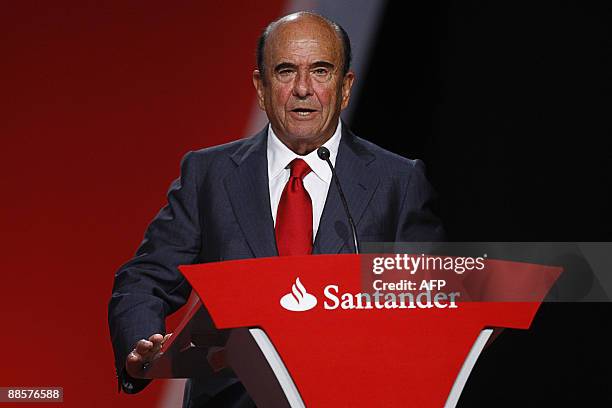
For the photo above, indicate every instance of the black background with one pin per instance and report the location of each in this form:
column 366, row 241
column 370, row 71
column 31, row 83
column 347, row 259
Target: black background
column 508, row 105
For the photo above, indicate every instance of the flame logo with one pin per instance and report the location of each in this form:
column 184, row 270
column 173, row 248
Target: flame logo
column 298, row 300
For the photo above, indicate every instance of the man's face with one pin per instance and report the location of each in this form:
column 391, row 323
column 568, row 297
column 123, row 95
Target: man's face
column 303, row 91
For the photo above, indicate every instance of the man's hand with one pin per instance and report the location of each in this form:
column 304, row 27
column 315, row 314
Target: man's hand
column 144, row 352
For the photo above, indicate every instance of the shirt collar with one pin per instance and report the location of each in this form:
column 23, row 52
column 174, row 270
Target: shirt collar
column 279, row 155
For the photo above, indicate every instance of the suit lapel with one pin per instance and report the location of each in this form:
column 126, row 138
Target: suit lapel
column 358, row 183
column 248, row 191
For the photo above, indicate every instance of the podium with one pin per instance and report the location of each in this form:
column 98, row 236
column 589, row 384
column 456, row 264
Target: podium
column 294, row 331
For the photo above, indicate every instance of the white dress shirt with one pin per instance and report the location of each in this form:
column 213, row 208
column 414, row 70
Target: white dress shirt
column 316, row 182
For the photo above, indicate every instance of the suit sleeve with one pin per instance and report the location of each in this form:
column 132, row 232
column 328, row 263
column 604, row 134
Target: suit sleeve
column 417, row 221
column 149, row 286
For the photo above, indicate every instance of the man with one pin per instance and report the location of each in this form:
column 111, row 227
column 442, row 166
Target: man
column 268, row 195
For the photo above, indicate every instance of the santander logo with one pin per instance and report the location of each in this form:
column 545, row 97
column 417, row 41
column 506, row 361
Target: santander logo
column 298, row 300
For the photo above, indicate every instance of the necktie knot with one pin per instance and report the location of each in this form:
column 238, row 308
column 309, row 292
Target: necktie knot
column 299, row 168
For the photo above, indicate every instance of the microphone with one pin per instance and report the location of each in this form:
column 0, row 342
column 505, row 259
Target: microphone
column 323, row 153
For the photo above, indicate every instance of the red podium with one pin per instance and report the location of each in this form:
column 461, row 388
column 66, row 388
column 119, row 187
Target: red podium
column 302, row 337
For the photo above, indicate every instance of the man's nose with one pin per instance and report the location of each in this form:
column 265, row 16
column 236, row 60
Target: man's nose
column 302, row 87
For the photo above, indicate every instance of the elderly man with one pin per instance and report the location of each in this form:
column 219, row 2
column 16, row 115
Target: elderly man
column 268, row 195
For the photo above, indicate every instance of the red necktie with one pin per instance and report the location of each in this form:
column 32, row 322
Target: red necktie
column 294, row 215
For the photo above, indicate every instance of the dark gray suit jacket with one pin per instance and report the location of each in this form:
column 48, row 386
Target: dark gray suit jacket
column 219, row 209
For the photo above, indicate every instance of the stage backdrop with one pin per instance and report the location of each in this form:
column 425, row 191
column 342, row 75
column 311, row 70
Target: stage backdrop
column 100, row 100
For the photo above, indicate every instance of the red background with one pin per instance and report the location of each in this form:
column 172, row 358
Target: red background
column 100, row 100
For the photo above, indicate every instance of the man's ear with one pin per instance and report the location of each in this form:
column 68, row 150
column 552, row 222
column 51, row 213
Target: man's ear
column 347, row 85
column 259, row 88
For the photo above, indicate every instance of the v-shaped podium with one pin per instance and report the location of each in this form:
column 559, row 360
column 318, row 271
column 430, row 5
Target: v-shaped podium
column 325, row 355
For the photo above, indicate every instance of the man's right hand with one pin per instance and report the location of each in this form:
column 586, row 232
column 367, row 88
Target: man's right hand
column 144, row 352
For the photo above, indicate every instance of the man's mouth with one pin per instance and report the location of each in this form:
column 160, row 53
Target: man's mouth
column 303, row 112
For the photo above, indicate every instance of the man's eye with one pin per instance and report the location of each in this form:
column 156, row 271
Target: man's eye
column 285, row 72
column 320, row 71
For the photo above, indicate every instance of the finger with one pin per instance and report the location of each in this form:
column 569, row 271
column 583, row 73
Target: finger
column 155, row 350
column 156, row 338
column 158, row 341
column 143, row 347
column 134, row 358
column 134, row 364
